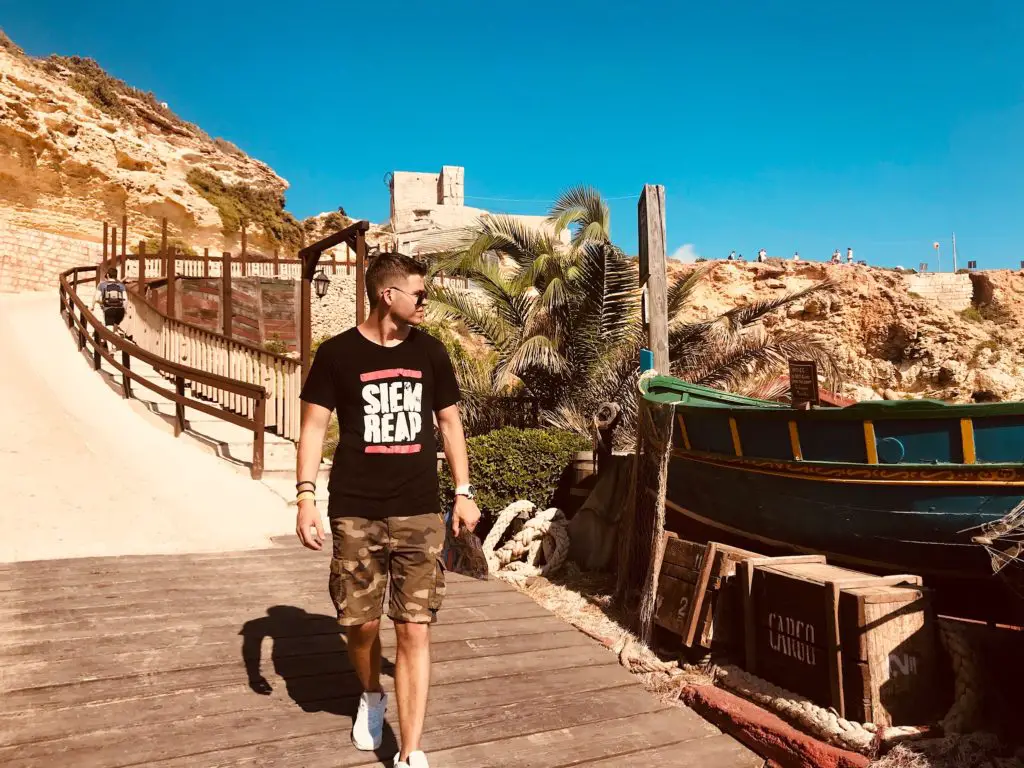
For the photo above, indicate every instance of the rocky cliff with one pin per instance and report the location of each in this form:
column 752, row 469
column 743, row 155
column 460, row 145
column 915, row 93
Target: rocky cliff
column 78, row 146
column 889, row 339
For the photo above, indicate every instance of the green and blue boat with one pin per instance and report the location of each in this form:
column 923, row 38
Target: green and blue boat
column 912, row 486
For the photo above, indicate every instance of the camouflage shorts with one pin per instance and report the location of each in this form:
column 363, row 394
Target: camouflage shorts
column 367, row 552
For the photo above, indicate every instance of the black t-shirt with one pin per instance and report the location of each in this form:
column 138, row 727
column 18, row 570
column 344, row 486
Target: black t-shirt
column 386, row 460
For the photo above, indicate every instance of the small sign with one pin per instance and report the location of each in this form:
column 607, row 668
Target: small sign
column 646, row 360
column 803, row 383
column 972, row 265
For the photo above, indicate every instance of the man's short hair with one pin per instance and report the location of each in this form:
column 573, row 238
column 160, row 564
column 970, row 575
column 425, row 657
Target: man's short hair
column 112, row 274
column 385, row 269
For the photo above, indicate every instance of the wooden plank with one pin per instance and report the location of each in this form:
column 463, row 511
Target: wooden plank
column 569, row 746
column 315, row 685
column 183, row 744
column 721, row 751
column 300, row 652
column 47, row 722
column 311, row 640
column 75, row 603
column 89, row 627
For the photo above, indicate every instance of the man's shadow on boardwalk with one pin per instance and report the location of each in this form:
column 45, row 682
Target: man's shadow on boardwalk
column 310, row 654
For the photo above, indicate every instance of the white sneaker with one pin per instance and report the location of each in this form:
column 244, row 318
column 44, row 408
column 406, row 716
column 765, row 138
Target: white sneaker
column 368, row 729
column 415, row 760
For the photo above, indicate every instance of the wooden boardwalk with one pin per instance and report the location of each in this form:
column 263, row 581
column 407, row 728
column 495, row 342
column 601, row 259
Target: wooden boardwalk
column 155, row 660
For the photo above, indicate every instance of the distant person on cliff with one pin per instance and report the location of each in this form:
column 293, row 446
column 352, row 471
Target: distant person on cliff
column 762, row 255
column 110, row 296
column 849, row 255
column 388, row 381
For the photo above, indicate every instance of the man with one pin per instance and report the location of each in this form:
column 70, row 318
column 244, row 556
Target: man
column 110, row 296
column 388, row 381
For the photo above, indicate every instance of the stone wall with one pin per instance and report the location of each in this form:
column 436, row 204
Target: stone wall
column 32, row 260
column 949, row 289
column 335, row 312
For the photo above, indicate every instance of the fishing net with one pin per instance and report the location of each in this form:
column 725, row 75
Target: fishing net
column 641, row 545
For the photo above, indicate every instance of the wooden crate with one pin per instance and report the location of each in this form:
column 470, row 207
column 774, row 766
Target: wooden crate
column 801, row 615
column 696, row 597
column 892, row 665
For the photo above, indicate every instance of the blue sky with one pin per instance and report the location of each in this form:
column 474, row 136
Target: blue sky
column 789, row 125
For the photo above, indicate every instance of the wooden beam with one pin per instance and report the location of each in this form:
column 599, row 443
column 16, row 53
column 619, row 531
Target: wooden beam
column 124, row 245
column 870, row 444
column 967, row 441
column 310, row 255
column 103, row 261
column 172, row 283
column 653, row 279
column 142, row 267
column 305, row 327
column 163, row 247
column 360, row 277
column 225, row 294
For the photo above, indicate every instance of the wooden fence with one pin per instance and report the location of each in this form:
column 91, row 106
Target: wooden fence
column 190, row 265
column 186, row 344
column 221, row 388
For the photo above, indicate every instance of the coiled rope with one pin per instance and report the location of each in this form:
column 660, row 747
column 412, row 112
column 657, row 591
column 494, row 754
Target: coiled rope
column 538, row 549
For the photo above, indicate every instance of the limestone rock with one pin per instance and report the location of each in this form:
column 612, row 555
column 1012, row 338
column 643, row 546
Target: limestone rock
column 66, row 165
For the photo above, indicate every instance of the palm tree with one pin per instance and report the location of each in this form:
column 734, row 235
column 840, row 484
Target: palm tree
column 563, row 319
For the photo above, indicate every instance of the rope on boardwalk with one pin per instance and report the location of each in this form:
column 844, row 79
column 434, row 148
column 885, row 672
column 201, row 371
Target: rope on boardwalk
column 545, row 533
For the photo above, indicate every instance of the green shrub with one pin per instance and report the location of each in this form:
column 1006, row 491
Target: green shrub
column 510, row 464
column 239, row 203
column 989, row 344
column 995, row 312
column 972, row 315
column 175, row 243
column 275, row 346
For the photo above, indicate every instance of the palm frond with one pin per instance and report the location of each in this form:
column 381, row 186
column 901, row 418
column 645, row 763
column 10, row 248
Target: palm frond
column 583, row 208
column 455, row 303
column 755, row 310
column 681, row 289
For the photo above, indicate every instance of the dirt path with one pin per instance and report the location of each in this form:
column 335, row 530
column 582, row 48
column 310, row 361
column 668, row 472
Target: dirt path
column 82, row 473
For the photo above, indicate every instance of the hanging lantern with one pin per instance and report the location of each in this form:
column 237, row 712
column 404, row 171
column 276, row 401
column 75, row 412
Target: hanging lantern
column 321, row 283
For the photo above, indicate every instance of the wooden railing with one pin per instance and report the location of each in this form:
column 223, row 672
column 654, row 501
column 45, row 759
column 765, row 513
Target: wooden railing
column 186, row 344
column 235, row 384
column 249, row 266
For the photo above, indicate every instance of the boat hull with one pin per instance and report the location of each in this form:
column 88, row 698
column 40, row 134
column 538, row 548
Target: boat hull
column 922, row 528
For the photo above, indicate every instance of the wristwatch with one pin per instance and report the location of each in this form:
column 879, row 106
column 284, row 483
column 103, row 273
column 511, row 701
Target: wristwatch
column 466, row 490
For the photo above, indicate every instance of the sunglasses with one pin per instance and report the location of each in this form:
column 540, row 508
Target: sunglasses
column 421, row 296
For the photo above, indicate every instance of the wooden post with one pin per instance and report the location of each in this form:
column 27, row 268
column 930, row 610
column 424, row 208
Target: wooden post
column 103, row 261
column 245, row 256
column 142, row 267
column 225, row 294
column 277, row 264
column 163, row 248
column 305, row 323
column 113, row 252
column 96, row 348
column 179, row 408
column 644, row 523
column 360, row 276
column 653, row 281
column 126, row 381
column 124, row 246
column 259, row 433
column 206, row 262
column 172, row 283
